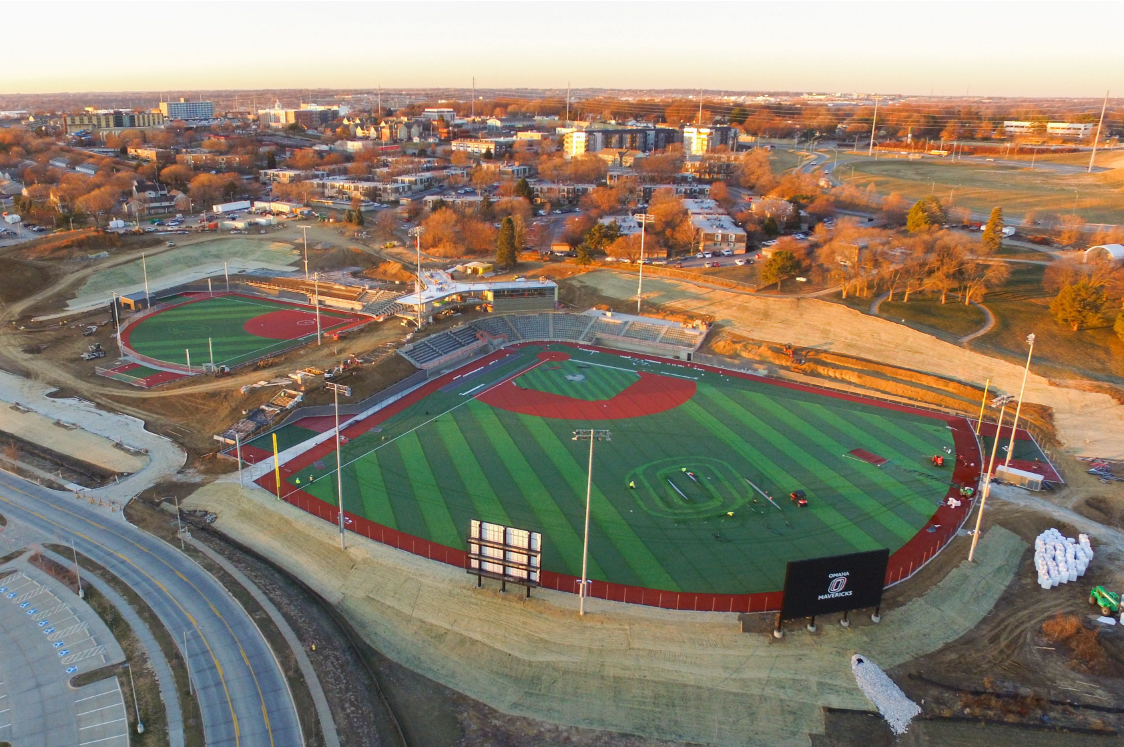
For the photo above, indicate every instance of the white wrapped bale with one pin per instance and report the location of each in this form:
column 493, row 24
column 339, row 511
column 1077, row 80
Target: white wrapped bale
column 892, row 703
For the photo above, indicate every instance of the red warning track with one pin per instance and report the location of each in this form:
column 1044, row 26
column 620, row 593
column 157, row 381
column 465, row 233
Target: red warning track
column 651, row 394
column 919, row 550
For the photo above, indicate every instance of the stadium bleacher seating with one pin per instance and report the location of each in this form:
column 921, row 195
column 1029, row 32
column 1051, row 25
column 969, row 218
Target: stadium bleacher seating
column 450, row 344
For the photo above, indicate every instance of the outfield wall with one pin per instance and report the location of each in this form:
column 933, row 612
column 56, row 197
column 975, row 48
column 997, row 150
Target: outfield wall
column 904, row 563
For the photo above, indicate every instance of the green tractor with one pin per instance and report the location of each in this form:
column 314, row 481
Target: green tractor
column 1108, row 601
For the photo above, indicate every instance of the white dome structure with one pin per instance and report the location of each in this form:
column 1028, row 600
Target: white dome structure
column 1111, row 252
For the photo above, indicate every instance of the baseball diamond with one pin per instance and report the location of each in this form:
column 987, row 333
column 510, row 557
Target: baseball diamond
column 690, row 497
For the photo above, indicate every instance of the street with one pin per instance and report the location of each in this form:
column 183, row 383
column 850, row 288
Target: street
column 242, row 692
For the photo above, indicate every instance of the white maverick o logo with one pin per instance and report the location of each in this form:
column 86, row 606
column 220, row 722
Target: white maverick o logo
column 837, row 584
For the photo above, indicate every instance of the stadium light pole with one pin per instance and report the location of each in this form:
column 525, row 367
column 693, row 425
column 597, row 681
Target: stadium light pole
column 873, row 127
column 117, row 323
column 591, row 435
column 316, row 303
column 416, row 232
column 1093, row 155
column 1019, row 407
column 1003, row 402
column 144, row 269
column 336, row 390
column 644, row 219
column 305, row 229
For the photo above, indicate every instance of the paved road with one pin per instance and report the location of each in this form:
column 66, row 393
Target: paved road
column 243, row 695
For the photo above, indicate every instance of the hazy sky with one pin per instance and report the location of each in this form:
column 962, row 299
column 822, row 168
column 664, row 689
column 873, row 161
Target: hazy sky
column 1002, row 48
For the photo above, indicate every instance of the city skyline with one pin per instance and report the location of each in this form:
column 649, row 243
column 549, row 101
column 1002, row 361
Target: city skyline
column 979, row 49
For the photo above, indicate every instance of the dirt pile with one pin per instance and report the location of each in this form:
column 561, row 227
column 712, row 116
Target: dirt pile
column 389, row 270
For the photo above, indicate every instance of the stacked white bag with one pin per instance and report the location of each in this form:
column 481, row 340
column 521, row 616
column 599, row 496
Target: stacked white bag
column 1060, row 559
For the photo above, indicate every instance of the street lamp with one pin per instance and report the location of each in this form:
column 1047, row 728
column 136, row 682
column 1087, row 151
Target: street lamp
column 136, row 705
column 305, row 230
column 644, row 219
column 416, row 232
column 338, row 389
column 1019, row 407
column 1002, row 401
column 591, row 435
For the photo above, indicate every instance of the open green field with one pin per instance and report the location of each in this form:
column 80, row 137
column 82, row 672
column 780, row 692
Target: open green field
column 1022, row 306
column 951, row 319
column 497, row 445
column 981, row 187
column 183, row 264
column 233, row 328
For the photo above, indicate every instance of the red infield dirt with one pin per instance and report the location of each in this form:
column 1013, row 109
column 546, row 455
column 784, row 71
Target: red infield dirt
column 651, row 394
column 287, row 324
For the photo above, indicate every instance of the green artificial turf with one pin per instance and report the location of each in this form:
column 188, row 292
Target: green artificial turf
column 168, row 335
column 451, row 458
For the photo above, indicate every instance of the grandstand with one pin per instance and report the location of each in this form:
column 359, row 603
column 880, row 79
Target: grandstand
column 608, row 329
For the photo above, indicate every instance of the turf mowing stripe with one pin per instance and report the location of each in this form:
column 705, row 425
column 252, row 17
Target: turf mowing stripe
column 869, row 506
column 477, row 487
column 924, row 507
column 635, row 552
column 842, row 526
column 438, row 520
column 602, row 546
column 899, row 433
column 556, row 528
column 373, row 494
column 861, row 509
column 399, row 491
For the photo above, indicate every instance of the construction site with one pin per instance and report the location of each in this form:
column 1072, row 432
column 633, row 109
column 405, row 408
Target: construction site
column 331, row 431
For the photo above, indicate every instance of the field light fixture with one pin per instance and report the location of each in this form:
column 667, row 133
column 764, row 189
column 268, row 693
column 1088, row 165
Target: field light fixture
column 591, row 435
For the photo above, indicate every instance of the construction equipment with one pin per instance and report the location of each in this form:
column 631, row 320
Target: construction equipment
column 1108, row 601
column 222, row 370
column 93, row 351
column 90, row 330
column 799, row 498
column 338, row 371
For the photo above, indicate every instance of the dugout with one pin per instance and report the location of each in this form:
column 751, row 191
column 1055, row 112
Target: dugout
column 134, row 301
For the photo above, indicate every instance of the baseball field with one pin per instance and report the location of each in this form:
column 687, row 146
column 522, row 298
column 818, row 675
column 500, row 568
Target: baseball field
column 690, row 495
column 226, row 329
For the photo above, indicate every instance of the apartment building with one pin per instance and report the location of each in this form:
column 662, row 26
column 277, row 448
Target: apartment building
column 698, row 141
column 112, row 121
column 481, row 147
column 184, row 109
column 589, row 138
column 560, row 193
column 149, row 153
column 309, row 116
column 205, row 159
column 686, row 191
column 288, row 176
column 507, row 170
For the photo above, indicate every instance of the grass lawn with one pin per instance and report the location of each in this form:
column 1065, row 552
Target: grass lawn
column 928, row 314
column 1022, row 306
column 984, row 186
column 784, row 160
column 462, row 452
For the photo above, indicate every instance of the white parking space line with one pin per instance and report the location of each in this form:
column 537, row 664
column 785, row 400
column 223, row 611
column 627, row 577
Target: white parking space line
column 100, row 723
column 91, row 697
column 95, row 710
column 103, row 739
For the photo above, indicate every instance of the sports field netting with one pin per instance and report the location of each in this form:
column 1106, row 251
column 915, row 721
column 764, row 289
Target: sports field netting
column 240, row 329
column 498, row 447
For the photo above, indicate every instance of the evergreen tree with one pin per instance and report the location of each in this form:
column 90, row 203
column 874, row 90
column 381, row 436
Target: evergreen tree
column 781, row 265
column 926, row 213
column 993, row 232
column 505, row 245
column 584, row 257
column 271, row 160
column 523, row 189
column 770, row 226
column 1079, row 305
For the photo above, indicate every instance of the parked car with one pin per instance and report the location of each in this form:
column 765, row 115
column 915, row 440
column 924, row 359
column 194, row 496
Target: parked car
column 739, row 262
column 727, row 252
